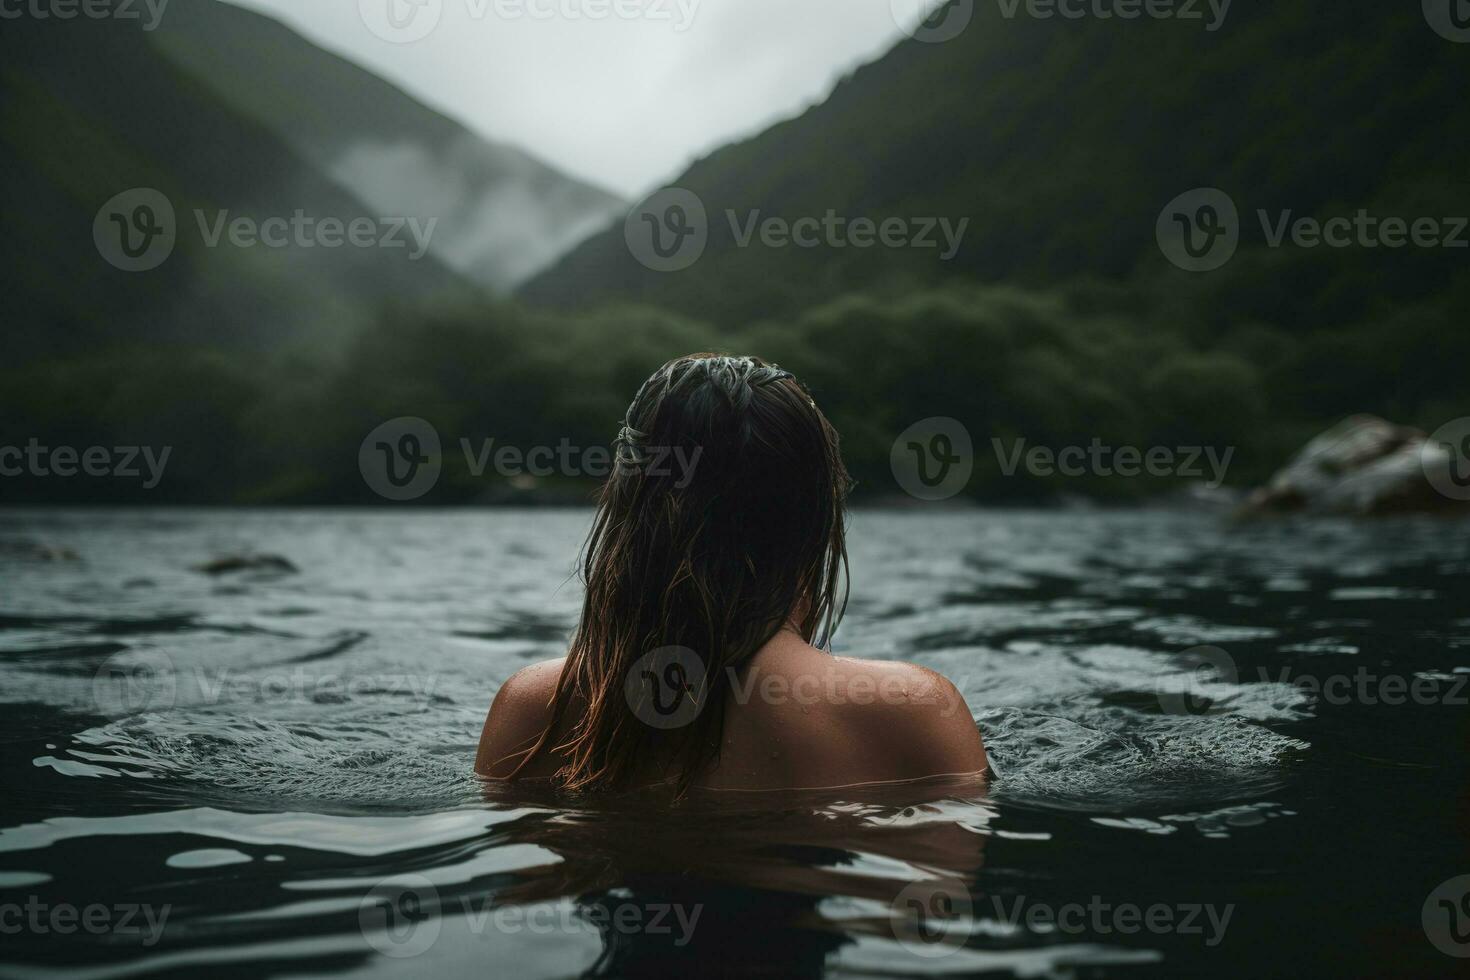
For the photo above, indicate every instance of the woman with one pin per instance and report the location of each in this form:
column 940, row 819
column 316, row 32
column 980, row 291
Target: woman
column 712, row 574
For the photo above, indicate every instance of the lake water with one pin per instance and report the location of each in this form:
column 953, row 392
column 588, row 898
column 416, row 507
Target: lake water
column 1221, row 750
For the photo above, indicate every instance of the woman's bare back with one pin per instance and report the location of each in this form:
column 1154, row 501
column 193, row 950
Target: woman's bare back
column 795, row 718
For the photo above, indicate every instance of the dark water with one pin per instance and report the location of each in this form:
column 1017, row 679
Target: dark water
column 267, row 772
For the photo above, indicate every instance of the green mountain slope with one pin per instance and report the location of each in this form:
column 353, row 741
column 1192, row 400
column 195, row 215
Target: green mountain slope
column 88, row 110
column 1061, row 141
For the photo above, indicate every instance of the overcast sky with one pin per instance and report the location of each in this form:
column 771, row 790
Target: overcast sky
column 624, row 102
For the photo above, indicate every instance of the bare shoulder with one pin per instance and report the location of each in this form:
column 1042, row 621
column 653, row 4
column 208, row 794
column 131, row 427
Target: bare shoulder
column 888, row 686
column 911, row 712
column 812, row 719
column 518, row 716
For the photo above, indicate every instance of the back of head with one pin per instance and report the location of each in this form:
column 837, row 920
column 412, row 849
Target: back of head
column 721, row 524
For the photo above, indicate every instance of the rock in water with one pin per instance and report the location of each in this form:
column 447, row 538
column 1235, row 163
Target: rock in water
column 25, row 550
column 1364, row 465
column 247, row 563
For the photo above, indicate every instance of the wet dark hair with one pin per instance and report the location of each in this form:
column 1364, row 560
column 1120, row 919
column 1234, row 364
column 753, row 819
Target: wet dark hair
column 720, row 524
